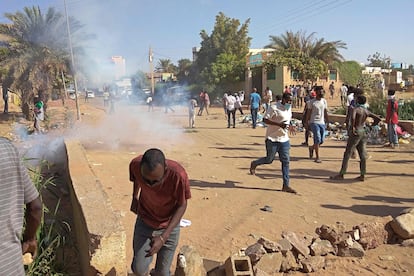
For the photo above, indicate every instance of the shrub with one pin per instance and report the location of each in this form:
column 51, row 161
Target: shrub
column 49, row 235
column 405, row 109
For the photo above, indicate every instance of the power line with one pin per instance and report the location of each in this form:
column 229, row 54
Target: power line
column 293, row 13
column 305, row 14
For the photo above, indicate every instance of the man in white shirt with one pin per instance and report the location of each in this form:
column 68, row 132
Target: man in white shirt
column 231, row 109
column 278, row 117
column 344, row 94
column 267, row 98
column 316, row 120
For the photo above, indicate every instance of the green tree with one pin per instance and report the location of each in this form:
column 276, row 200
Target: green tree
column 350, row 72
column 309, row 68
column 183, row 70
column 376, row 60
column 38, row 53
column 165, row 66
column 228, row 43
column 308, row 55
column 308, row 45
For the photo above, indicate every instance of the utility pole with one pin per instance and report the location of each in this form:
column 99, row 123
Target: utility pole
column 152, row 71
column 78, row 117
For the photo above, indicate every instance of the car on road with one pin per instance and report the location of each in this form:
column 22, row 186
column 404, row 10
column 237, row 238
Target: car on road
column 90, row 94
column 71, row 93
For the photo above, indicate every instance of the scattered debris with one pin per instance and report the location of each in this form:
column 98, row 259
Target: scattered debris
column 310, row 253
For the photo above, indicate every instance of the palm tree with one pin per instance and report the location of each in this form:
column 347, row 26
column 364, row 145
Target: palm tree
column 165, row 66
column 309, row 46
column 37, row 53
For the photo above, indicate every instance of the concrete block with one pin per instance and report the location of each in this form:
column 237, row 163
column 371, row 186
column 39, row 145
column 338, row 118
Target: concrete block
column 238, row 266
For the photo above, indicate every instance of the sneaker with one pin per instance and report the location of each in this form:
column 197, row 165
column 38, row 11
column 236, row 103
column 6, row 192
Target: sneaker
column 288, row 189
column 252, row 169
column 310, row 152
column 318, row 161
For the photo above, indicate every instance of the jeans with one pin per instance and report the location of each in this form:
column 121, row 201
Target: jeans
column 141, row 244
column 392, row 133
column 318, row 131
column 282, row 148
column 358, row 141
column 254, row 111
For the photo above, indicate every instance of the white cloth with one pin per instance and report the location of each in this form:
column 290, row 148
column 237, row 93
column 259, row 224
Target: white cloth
column 349, row 99
column 191, row 106
column 230, row 101
column 278, row 113
column 344, row 90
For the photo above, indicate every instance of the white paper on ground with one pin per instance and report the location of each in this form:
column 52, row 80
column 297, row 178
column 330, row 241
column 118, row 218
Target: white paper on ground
column 185, row 222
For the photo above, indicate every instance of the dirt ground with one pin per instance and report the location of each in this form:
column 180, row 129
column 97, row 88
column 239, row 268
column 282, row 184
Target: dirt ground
column 225, row 208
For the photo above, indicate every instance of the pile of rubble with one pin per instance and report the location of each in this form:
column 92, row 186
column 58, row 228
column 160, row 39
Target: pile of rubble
column 305, row 253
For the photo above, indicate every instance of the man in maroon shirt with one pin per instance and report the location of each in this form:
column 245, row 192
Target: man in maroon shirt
column 160, row 193
column 392, row 119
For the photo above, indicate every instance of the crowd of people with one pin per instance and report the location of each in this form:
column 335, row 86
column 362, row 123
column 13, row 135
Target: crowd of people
column 161, row 186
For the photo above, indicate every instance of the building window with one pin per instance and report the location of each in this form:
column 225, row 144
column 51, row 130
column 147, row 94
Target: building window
column 271, row 75
column 294, row 75
column 332, row 75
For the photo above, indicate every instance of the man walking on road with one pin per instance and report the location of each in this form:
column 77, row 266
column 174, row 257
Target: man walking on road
column 316, row 120
column 254, row 104
column 357, row 138
column 278, row 117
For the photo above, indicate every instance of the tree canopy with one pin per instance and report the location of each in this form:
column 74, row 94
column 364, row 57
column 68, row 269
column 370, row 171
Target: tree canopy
column 37, row 52
column 310, row 56
column 350, row 71
column 376, row 60
column 165, row 66
column 221, row 58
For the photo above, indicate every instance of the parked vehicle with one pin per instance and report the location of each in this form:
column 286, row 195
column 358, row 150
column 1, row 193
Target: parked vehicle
column 90, row 94
column 71, row 93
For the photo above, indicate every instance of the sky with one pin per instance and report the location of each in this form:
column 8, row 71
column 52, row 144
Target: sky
column 129, row 28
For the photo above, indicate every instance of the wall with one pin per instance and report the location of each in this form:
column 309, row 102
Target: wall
column 100, row 236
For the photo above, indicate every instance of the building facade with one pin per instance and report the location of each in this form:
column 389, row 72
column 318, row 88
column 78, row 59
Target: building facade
column 257, row 76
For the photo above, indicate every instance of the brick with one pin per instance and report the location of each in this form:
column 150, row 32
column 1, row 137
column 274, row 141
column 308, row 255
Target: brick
column 238, row 266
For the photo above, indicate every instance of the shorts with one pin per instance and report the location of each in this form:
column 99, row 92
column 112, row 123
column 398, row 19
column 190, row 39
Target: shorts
column 318, row 131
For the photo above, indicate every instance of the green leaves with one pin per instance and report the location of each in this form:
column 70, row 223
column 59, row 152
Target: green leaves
column 350, row 72
column 37, row 52
column 221, row 58
column 304, row 53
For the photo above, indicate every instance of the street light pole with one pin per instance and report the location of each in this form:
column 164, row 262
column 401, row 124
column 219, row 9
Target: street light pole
column 151, row 71
column 73, row 65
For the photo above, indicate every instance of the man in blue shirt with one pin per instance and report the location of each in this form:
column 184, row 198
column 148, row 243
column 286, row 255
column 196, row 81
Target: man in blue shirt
column 254, row 104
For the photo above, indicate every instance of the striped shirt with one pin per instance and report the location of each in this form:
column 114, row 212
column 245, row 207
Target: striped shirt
column 16, row 189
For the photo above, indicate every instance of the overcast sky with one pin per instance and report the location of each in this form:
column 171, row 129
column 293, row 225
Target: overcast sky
column 129, row 27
